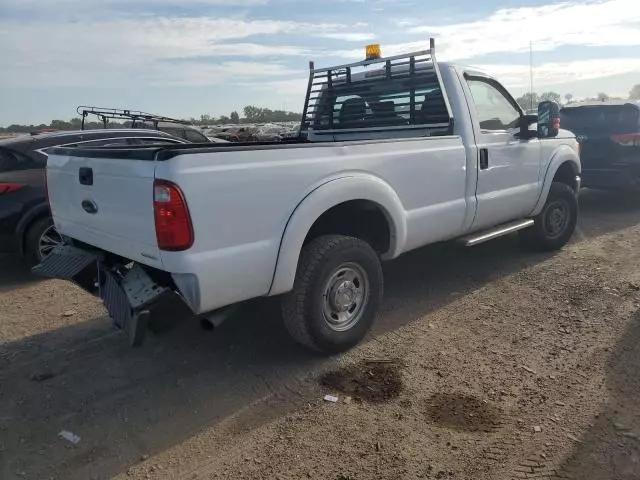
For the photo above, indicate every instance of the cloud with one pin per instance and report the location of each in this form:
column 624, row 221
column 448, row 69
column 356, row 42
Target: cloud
column 605, row 23
column 557, row 73
column 349, row 37
column 78, row 53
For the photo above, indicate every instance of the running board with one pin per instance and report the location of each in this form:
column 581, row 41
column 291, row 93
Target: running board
column 504, row 229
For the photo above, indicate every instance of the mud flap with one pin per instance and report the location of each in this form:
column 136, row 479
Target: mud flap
column 132, row 300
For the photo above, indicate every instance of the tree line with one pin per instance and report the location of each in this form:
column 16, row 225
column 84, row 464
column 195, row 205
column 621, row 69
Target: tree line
column 531, row 100
column 252, row 114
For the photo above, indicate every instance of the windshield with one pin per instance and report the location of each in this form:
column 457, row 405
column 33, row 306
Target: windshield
column 604, row 119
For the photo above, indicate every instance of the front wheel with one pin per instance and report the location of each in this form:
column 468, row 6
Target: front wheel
column 555, row 224
column 336, row 294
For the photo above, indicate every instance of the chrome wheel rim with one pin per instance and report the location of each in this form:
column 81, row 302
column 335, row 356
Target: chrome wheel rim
column 49, row 239
column 345, row 295
column 556, row 218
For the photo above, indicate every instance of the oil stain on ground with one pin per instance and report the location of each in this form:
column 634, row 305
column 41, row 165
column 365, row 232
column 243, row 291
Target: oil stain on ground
column 372, row 381
column 463, row 413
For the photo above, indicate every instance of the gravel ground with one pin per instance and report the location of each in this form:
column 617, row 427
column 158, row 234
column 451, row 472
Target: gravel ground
column 486, row 363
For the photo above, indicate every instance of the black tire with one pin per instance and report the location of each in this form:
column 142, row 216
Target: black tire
column 542, row 236
column 32, row 239
column 305, row 308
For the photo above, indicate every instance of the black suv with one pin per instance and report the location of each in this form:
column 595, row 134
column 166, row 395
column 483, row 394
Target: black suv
column 609, row 136
column 26, row 227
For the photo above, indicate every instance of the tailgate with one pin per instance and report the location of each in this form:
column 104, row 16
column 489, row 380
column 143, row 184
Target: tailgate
column 105, row 201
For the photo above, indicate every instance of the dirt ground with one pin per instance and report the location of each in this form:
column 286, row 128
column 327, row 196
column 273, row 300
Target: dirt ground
column 485, row 363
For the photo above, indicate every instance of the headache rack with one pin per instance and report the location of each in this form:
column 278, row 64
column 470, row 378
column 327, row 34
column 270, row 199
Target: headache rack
column 420, row 100
column 106, row 114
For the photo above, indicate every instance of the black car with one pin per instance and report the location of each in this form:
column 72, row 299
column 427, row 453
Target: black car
column 26, row 227
column 609, row 136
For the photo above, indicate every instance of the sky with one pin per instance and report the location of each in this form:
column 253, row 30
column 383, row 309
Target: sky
column 184, row 58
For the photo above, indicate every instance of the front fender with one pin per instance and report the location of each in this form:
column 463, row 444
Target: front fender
column 564, row 153
column 324, row 197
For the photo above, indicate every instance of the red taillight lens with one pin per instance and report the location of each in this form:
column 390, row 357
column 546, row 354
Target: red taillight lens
column 174, row 231
column 10, row 187
column 627, row 139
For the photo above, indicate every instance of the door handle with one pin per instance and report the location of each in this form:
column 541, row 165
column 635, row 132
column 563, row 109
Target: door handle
column 484, row 159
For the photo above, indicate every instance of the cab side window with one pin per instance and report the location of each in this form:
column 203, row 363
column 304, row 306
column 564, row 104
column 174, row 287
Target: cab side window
column 495, row 111
column 103, row 142
column 195, row 136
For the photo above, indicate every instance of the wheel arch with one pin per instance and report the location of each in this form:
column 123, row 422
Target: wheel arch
column 327, row 196
column 35, row 213
column 564, row 166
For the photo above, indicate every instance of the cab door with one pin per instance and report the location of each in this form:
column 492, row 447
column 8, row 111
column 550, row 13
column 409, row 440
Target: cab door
column 508, row 167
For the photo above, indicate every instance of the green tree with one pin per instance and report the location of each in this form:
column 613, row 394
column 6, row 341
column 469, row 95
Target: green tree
column 550, row 96
column 602, row 97
column 528, row 100
column 634, row 94
column 568, row 97
column 234, row 117
column 60, row 125
column 253, row 113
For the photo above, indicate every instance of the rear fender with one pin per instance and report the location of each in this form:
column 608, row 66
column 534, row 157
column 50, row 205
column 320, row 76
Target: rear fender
column 560, row 155
column 324, row 197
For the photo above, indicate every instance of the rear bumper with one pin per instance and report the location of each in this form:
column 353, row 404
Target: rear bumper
column 624, row 176
column 127, row 292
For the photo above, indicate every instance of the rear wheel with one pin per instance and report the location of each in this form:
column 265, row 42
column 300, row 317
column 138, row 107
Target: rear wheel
column 556, row 222
column 41, row 238
column 336, row 294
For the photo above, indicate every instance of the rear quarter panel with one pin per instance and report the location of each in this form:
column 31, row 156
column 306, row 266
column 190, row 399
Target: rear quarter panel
column 241, row 201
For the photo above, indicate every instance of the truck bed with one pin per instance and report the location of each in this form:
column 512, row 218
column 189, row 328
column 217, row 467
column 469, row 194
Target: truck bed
column 242, row 197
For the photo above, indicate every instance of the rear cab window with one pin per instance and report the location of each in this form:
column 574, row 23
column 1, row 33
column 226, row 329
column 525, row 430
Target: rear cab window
column 403, row 99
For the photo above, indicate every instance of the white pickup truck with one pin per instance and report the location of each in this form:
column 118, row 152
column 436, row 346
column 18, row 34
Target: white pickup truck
column 396, row 153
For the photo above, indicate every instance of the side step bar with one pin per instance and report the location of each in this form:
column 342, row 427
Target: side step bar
column 504, row 229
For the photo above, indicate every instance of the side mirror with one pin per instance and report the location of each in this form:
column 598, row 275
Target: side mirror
column 548, row 119
column 525, row 123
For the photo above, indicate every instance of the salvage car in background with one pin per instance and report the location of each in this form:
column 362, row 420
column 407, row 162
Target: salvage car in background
column 609, row 136
column 136, row 119
column 26, row 227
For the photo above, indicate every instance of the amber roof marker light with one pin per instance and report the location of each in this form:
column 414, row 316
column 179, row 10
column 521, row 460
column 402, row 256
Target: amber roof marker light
column 373, row 51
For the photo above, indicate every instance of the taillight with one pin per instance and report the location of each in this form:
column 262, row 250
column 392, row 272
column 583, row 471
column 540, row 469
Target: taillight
column 174, row 231
column 627, row 139
column 10, row 187
column 46, row 190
